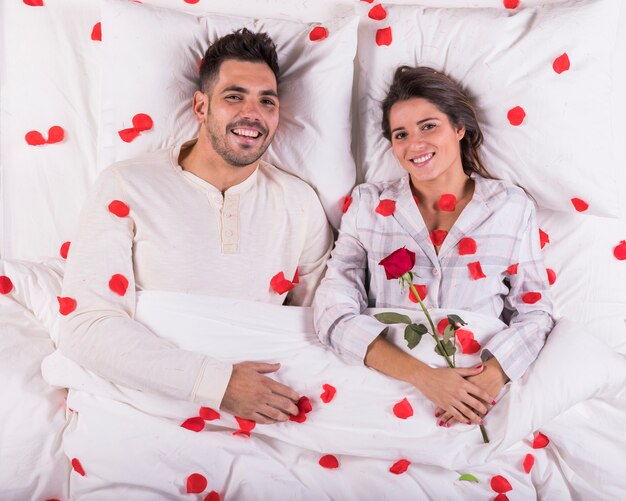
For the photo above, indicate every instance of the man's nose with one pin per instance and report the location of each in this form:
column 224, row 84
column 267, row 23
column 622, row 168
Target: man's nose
column 251, row 110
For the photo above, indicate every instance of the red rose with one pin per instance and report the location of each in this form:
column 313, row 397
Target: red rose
column 398, row 263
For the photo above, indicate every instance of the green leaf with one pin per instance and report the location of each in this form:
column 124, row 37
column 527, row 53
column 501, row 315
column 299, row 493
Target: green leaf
column 421, row 328
column 412, row 336
column 468, row 477
column 448, row 347
column 455, row 319
column 392, row 318
column 448, row 332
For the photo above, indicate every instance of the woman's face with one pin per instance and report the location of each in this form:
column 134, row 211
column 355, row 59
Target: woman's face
column 424, row 141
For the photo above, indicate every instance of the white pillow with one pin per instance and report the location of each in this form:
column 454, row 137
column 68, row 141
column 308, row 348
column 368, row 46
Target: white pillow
column 564, row 149
column 157, row 76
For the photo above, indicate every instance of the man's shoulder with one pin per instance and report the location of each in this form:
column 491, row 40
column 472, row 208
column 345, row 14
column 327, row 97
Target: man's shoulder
column 285, row 181
column 150, row 163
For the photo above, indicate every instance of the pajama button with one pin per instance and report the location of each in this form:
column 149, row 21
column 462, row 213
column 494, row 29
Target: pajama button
column 435, row 271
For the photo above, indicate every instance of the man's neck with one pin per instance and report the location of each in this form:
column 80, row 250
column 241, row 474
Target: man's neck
column 210, row 167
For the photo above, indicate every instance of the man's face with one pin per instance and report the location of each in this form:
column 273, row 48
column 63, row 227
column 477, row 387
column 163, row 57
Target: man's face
column 242, row 111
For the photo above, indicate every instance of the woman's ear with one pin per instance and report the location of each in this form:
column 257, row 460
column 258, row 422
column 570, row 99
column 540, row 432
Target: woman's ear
column 199, row 106
column 460, row 133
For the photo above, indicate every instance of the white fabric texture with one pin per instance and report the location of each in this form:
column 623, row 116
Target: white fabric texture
column 315, row 87
column 169, row 235
column 358, row 421
column 501, row 222
column 505, row 60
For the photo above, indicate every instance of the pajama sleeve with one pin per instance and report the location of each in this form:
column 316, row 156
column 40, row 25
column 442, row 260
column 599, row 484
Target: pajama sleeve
column 101, row 334
column 342, row 295
column 517, row 346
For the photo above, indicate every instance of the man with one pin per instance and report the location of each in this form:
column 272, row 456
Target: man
column 207, row 217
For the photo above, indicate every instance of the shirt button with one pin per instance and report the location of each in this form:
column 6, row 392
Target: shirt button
column 435, row 271
column 229, row 233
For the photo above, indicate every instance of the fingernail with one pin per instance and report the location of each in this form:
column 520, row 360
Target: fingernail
column 493, row 402
column 486, row 412
column 448, row 424
column 468, row 422
column 479, row 366
column 440, row 423
column 481, row 422
column 437, row 414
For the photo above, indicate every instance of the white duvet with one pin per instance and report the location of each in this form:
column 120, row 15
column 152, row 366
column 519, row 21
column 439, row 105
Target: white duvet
column 131, row 444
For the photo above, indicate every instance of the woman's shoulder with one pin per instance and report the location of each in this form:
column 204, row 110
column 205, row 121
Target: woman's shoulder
column 500, row 192
column 373, row 191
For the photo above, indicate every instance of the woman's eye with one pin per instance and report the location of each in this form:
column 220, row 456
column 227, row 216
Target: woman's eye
column 429, row 126
column 399, row 135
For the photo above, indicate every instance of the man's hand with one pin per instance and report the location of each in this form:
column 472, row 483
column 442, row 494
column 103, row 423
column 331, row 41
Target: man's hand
column 491, row 380
column 252, row 395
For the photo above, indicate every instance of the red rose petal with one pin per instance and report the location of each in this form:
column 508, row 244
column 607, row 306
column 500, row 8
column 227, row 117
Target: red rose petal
column 96, row 32
column 194, row 424
column 531, row 297
column 209, row 414
column 529, row 462
column 500, row 484
column 212, row 496
column 438, row 236
column 544, row 238
column 245, row 424
column 56, row 134
column 367, row 1
column 467, row 246
column 377, row 13
column 142, row 122
column 34, row 3
column 128, row 135
column 196, row 483
column 476, row 270
column 469, row 345
column 6, row 285
column 329, row 461
column 280, row 284
column 441, row 326
column 516, row 115
column 551, row 275
column 416, row 200
column 561, row 63
column 118, row 284
column 400, row 466
column 540, row 441
column 383, row 36
column 501, row 497
column 579, row 204
column 304, row 407
column 329, row 393
column 318, row 33
column 511, row 4
column 619, row 251
column 403, row 409
column 66, row 305
column 65, row 248
column 119, row 208
column 34, row 138
column 447, row 202
column 78, row 468
column 191, row 1
column 421, row 290
column 386, row 207
column 512, row 270
column 296, row 278
column 347, row 201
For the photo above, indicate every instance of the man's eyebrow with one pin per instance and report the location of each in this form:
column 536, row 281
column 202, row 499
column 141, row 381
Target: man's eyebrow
column 243, row 90
column 418, row 123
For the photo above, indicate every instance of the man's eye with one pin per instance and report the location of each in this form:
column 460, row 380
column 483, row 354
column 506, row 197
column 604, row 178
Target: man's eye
column 233, row 98
column 268, row 102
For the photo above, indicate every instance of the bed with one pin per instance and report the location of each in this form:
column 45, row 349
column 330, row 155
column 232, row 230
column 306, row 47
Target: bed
column 547, row 79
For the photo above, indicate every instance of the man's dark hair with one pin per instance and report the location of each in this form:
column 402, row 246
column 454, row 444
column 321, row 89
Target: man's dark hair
column 241, row 45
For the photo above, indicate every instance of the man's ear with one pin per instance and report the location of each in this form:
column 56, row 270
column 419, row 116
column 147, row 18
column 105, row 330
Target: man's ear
column 200, row 106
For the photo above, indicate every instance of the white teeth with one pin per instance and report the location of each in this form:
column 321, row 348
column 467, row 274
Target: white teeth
column 421, row 159
column 246, row 132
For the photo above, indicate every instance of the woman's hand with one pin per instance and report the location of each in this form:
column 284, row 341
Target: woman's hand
column 491, row 380
column 453, row 392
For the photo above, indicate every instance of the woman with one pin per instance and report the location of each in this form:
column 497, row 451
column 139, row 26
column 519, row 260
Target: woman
column 477, row 246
